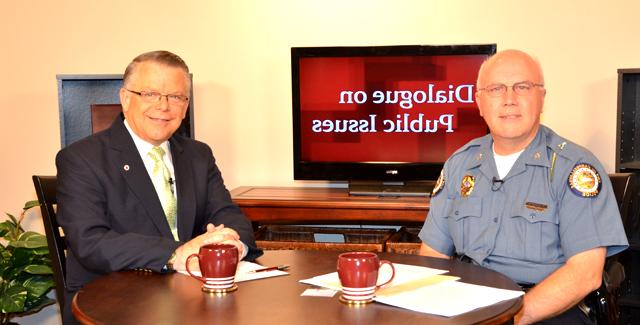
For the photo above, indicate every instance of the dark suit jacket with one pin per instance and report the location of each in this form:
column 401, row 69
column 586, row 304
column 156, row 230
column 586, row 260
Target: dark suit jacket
column 112, row 216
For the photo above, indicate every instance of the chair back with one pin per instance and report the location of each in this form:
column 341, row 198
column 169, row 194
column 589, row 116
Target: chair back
column 603, row 302
column 624, row 190
column 46, row 191
column 103, row 115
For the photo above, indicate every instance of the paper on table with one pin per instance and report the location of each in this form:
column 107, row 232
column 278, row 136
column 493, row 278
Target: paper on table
column 448, row 298
column 242, row 273
column 405, row 274
column 319, row 292
column 426, row 290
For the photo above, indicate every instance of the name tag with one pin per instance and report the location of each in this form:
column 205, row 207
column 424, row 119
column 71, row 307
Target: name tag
column 535, row 206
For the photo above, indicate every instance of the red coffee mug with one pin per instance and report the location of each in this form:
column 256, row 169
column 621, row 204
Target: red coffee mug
column 218, row 264
column 358, row 273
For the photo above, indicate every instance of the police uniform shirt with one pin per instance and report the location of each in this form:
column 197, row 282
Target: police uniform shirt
column 530, row 223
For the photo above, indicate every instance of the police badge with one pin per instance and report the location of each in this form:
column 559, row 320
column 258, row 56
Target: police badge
column 466, row 187
column 584, row 180
column 439, row 184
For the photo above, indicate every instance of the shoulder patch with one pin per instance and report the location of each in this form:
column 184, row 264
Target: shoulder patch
column 584, row 180
column 439, row 184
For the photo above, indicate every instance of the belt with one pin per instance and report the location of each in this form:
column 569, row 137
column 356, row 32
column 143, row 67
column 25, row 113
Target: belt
column 466, row 259
column 526, row 286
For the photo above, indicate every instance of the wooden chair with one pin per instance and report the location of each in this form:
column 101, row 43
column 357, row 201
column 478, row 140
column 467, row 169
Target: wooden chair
column 103, row 115
column 46, row 191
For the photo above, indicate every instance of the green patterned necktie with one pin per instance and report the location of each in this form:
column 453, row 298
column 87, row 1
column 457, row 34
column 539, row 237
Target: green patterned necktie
column 161, row 181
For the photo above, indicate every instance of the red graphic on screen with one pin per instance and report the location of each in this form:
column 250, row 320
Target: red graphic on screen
column 388, row 109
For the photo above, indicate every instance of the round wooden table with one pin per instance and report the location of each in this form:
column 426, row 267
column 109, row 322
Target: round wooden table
column 134, row 297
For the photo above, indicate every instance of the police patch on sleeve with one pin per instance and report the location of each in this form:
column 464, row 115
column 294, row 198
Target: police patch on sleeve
column 439, row 184
column 584, row 180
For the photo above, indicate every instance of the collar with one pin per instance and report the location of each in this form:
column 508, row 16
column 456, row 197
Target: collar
column 534, row 154
column 143, row 146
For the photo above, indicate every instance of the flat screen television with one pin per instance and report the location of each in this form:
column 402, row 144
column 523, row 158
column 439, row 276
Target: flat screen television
column 386, row 117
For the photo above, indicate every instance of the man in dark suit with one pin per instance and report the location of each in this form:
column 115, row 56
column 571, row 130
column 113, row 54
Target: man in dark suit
column 116, row 213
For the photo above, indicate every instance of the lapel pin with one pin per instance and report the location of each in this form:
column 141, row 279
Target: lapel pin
column 126, row 168
column 561, row 146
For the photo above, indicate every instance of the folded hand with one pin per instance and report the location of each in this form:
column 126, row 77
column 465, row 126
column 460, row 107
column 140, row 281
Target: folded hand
column 213, row 235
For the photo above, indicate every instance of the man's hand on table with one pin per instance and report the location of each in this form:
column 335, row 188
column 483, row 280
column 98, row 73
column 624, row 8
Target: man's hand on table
column 214, row 235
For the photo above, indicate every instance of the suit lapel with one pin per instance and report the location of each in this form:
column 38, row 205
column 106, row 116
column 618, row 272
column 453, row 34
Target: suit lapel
column 132, row 168
column 185, row 188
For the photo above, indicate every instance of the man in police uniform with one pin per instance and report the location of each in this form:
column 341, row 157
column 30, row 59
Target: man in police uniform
column 524, row 201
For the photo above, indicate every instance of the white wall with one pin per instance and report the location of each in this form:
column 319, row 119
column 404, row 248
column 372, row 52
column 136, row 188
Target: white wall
column 238, row 52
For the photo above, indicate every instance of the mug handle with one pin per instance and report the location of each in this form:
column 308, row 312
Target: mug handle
column 189, row 271
column 393, row 273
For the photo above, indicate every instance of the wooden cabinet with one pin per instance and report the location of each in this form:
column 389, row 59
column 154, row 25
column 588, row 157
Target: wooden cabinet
column 298, row 205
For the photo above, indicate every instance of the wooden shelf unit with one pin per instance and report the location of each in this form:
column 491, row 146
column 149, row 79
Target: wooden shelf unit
column 281, row 205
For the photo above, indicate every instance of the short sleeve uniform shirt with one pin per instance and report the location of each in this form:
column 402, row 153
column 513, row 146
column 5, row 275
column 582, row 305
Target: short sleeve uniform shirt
column 528, row 224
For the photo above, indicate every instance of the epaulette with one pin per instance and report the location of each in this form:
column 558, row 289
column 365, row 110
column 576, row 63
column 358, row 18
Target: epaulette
column 558, row 149
column 561, row 146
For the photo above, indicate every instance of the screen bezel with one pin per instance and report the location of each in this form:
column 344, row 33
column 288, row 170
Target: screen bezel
column 387, row 172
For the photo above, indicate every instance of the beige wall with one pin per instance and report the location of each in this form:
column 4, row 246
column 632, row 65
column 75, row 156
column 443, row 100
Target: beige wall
column 238, row 51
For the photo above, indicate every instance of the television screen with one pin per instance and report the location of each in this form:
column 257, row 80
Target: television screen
column 383, row 113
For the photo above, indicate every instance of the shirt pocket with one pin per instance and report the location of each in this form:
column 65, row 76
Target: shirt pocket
column 533, row 234
column 465, row 222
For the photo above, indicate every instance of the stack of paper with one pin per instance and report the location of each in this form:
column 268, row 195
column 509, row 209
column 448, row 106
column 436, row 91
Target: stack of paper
column 426, row 290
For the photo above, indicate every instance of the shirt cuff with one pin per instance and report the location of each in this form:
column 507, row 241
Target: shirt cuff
column 244, row 251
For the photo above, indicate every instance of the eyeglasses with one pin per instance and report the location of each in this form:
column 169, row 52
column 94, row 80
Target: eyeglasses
column 154, row 97
column 523, row 88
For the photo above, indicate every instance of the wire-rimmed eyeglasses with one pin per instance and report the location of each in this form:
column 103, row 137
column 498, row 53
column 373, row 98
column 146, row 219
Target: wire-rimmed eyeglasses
column 154, row 97
column 523, row 88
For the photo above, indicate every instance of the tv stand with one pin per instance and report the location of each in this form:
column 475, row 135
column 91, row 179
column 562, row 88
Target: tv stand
column 324, row 205
column 379, row 188
column 349, row 223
